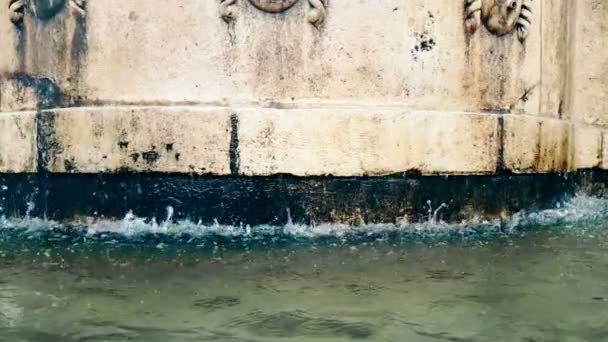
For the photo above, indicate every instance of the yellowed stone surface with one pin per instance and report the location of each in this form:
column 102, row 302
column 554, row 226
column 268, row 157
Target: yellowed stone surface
column 533, row 144
column 589, row 62
column 17, row 142
column 177, row 139
column 366, row 142
column 587, row 146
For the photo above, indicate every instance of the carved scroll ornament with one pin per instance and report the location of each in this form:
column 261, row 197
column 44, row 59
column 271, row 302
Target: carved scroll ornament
column 16, row 11
column 500, row 17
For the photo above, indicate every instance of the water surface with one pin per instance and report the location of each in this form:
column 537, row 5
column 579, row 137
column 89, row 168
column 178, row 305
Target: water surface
column 533, row 277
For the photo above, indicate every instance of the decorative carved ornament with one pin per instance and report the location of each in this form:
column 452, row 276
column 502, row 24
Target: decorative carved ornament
column 316, row 15
column 43, row 8
column 273, row 6
column 16, row 11
column 79, row 6
column 500, row 17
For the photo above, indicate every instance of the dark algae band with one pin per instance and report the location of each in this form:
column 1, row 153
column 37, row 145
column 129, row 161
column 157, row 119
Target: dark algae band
column 275, row 200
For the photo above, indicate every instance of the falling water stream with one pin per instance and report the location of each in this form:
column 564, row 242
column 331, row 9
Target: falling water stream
column 539, row 276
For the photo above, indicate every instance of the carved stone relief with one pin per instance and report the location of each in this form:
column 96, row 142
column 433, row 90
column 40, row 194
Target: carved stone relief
column 16, row 11
column 316, row 15
column 273, row 6
column 42, row 9
column 500, row 17
column 79, row 6
column 227, row 10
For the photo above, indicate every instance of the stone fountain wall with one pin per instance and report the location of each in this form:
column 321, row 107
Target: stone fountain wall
column 307, row 88
column 299, row 88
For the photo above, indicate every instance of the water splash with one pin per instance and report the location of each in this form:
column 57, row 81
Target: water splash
column 434, row 214
column 570, row 215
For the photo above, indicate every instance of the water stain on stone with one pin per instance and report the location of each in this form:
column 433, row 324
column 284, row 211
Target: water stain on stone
column 47, row 9
column 48, row 94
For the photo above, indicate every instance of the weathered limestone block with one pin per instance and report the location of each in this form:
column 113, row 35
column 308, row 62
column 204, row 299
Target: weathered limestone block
column 147, row 139
column 18, row 142
column 16, row 96
column 533, row 144
column 346, row 88
column 365, row 142
column 589, row 64
column 419, row 54
column 587, row 146
column 555, row 27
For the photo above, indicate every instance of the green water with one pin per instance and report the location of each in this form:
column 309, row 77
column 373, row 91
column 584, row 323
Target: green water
column 535, row 283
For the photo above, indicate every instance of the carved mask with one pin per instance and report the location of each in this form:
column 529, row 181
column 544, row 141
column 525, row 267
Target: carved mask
column 500, row 16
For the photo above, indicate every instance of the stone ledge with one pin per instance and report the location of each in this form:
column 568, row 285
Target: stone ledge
column 248, row 141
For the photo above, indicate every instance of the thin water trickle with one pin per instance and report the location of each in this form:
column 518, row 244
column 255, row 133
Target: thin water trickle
column 536, row 276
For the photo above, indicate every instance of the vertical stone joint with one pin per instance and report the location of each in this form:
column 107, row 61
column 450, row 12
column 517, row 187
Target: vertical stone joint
column 235, row 162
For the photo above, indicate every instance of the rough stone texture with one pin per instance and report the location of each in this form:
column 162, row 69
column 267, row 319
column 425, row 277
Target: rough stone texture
column 17, row 142
column 365, row 142
column 16, row 97
column 587, row 147
column 345, row 88
column 557, row 19
column 410, row 52
column 187, row 140
column 589, row 65
column 533, row 144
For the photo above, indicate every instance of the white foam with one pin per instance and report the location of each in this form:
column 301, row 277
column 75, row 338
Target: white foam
column 578, row 210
